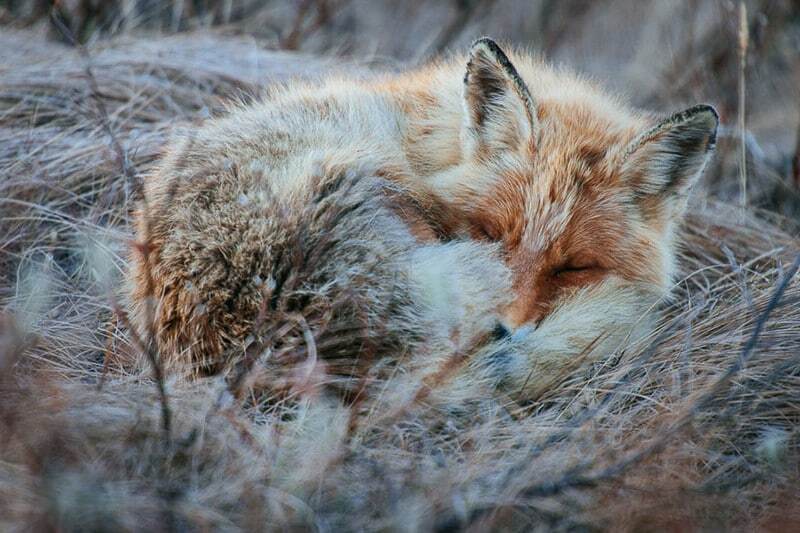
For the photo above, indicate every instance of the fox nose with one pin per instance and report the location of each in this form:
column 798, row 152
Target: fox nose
column 503, row 332
column 500, row 332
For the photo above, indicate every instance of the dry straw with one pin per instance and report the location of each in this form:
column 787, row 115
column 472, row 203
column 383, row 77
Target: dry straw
column 695, row 425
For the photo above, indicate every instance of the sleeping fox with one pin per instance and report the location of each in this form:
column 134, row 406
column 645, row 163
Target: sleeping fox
column 490, row 206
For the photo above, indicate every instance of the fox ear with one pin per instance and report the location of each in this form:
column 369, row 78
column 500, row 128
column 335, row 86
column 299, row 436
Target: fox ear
column 499, row 111
column 668, row 159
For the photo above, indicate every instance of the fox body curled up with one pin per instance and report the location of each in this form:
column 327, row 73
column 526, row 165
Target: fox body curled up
column 489, row 206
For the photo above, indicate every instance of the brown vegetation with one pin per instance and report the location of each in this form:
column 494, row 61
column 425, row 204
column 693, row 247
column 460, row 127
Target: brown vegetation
column 694, row 427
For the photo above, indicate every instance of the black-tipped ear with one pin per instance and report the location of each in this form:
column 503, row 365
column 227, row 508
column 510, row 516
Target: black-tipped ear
column 669, row 158
column 500, row 113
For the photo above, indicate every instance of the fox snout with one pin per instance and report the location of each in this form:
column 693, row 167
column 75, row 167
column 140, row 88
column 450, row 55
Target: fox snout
column 500, row 332
column 527, row 359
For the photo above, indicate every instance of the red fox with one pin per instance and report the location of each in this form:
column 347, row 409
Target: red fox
column 490, row 203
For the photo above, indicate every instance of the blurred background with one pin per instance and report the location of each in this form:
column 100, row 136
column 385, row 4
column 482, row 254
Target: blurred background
column 661, row 54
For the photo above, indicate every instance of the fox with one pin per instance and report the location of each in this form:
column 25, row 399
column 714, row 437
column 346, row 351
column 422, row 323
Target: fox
column 488, row 206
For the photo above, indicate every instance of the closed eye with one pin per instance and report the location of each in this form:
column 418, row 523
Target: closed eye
column 572, row 269
column 485, row 232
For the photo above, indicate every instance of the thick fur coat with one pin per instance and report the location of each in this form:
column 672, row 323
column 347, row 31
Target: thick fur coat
column 489, row 209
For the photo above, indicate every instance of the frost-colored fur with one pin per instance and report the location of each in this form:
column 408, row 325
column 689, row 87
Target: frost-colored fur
column 515, row 216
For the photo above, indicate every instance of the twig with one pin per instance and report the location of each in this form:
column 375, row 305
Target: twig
column 796, row 161
column 743, row 42
column 148, row 348
column 94, row 90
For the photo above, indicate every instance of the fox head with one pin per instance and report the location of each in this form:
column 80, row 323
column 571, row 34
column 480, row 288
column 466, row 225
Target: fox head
column 582, row 195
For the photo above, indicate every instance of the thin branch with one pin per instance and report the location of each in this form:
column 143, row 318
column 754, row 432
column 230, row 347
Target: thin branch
column 796, row 161
column 148, row 348
column 743, row 42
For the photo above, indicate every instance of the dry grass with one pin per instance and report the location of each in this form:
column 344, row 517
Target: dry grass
column 694, row 427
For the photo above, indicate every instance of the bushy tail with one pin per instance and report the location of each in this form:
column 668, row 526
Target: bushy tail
column 316, row 271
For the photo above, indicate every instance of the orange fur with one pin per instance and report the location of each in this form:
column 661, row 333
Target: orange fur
column 559, row 198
